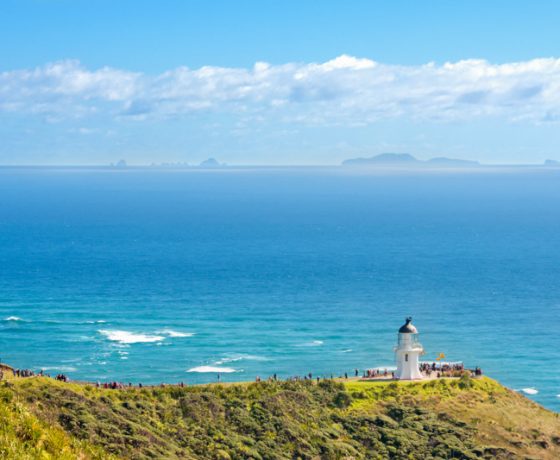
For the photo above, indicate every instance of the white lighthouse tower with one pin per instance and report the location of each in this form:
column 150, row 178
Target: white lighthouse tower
column 407, row 352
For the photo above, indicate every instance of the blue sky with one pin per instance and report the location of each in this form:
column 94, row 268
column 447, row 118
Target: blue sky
column 291, row 82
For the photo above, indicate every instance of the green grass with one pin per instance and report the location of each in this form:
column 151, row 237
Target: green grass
column 468, row 418
column 364, row 392
column 25, row 436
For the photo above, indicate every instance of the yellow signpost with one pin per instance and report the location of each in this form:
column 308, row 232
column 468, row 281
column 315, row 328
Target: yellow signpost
column 440, row 357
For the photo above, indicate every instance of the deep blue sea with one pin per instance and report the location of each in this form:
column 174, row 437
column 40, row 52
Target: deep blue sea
column 166, row 276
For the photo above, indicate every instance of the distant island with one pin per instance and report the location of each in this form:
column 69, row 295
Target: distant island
column 383, row 160
column 405, row 159
column 211, row 163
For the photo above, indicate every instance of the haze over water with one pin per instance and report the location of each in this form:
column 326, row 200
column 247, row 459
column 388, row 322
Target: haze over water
column 141, row 275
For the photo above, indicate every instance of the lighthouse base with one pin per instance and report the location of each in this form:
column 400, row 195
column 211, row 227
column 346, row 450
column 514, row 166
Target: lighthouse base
column 408, row 367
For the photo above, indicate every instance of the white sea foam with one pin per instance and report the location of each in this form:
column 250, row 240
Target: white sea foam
column 13, row 318
column 99, row 321
column 81, row 338
column 312, row 343
column 389, row 368
column 213, row 369
column 530, row 391
column 240, row 357
column 227, row 360
column 255, row 358
column 175, row 334
column 126, row 337
column 348, row 350
column 59, row 368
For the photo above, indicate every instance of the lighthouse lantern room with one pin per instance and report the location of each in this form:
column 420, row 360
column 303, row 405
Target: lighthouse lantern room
column 408, row 351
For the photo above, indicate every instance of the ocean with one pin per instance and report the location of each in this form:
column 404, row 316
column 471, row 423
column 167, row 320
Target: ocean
column 152, row 276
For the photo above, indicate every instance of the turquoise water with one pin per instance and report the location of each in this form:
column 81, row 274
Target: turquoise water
column 143, row 276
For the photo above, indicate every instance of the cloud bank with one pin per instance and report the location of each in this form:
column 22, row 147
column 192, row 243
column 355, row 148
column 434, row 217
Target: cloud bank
column 343, row 91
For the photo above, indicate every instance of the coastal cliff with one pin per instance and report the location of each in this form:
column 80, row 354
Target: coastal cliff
column 446, row 418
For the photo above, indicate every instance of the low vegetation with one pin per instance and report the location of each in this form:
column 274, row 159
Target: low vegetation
column 449, row 418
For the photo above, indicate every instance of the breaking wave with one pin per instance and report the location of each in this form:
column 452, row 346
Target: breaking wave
column 13, row 318
column 213, row 369
column 240, row 357
column 59, row 368
column 530, row 391
column 126, row 337
column 174, row 334
column 312, row 343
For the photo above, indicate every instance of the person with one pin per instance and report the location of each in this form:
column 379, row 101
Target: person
column 356, row 372
column 346, row 375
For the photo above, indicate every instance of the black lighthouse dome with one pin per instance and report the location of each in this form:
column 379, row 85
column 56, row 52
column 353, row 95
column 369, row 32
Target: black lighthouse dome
column 408, row 328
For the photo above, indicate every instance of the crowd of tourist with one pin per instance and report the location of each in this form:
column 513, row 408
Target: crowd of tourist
column 378, row 373
column 41, row 373
column 448, row 370
column 428, row 369
column 111, row 385
column 24, row 373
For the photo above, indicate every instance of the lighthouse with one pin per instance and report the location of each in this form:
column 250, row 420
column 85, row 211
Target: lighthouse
column 407, row 351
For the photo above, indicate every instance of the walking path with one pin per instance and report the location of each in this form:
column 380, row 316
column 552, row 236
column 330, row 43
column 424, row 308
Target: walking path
column 9, row 373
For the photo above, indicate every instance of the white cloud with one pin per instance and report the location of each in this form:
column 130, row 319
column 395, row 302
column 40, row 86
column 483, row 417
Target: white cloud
column 344, row 90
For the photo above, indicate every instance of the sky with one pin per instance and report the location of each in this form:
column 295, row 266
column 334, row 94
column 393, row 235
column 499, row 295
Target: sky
column 290, row 82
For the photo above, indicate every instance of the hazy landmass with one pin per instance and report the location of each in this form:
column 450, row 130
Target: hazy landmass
column 211, row 163
column 406, row 159
column 381, row 161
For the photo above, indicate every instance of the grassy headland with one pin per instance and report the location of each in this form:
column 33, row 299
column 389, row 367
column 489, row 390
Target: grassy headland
column 448, row 418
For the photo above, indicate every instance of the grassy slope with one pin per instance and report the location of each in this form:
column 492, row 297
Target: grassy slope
column 436, row 419
column 24, row 436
